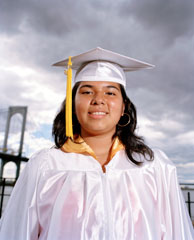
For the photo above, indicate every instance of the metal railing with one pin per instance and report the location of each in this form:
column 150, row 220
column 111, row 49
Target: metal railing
column 188, row 193
column 189, row 202
column 6, row 186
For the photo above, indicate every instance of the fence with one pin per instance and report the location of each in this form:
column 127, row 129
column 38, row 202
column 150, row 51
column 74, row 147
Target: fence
column 7, row 184
column 188, row 193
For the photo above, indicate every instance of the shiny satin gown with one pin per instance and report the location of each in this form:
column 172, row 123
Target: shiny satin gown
column 67, row 196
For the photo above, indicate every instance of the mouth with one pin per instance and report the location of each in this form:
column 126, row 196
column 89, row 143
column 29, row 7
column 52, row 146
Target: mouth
column 98, row 113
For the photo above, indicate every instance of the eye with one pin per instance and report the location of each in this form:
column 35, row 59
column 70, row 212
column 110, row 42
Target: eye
column 86, row 92
column 110, row 93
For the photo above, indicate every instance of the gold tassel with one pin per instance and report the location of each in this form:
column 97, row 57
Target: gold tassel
column 68, row 110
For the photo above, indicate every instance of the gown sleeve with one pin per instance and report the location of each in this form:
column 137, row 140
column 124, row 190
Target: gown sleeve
column 177, row 223
column 20, row 219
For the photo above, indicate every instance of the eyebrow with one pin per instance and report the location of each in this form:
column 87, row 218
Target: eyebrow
column 91, row 86
column 87, row 85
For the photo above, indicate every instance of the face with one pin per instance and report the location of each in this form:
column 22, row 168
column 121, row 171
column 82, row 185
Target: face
column 98, row 106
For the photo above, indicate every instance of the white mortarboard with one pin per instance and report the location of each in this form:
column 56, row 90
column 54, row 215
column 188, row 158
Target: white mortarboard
column 96, row 65
column 99, row 64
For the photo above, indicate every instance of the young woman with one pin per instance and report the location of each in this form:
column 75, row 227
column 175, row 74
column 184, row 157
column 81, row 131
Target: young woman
column 105, row 183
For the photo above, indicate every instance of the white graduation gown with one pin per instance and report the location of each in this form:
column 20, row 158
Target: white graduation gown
column 67, row 196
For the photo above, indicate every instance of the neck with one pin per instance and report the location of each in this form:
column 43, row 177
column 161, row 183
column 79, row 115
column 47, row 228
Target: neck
column 101, row 145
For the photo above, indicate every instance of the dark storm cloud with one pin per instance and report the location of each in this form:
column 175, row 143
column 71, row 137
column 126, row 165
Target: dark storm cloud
column 45, row 29
column 52, row 17
column 171, row 18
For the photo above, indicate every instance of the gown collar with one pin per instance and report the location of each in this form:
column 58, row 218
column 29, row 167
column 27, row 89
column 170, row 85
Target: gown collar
column 80, row 146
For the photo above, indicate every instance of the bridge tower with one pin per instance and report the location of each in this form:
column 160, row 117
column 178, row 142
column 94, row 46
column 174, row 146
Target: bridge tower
column 5, row 157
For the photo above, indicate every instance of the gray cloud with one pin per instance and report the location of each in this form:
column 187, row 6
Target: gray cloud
column 171, row 19
column 51, row 18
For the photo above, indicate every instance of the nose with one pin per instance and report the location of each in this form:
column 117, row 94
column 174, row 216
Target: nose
column 98, row 99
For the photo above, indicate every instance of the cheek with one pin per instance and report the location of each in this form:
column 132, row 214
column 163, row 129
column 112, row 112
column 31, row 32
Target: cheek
column 77, row 106
column 117, row 107
column 81, row 105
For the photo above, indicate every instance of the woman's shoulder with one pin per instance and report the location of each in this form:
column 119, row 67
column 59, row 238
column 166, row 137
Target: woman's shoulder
column 44, row 155
column 44, row 152
column 161, row 158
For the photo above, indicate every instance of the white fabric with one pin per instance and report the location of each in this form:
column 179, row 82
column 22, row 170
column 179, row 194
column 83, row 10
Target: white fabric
column 101, row 71
column 100, row 54
column 67, row 196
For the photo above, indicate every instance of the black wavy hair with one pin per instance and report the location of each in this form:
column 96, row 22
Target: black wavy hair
column 132, row 142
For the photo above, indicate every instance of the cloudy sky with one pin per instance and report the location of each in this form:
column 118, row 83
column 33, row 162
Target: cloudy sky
column 34, row 34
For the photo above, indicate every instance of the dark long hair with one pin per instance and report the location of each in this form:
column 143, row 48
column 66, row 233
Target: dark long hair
column 128, row 137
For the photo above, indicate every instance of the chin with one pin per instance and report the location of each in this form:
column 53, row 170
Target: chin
column 97, row 131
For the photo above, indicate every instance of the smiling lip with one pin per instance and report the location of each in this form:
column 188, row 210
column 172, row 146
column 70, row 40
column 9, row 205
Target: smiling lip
column 97, row 115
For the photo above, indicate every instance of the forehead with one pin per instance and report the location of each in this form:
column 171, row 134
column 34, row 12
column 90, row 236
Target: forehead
column 99, row 84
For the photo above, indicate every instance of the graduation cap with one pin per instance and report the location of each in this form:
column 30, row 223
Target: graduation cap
column 97, row 64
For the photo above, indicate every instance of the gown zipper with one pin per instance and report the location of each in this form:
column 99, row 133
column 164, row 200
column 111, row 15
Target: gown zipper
column 107, row 209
